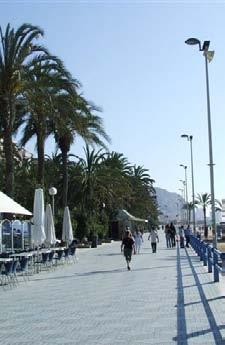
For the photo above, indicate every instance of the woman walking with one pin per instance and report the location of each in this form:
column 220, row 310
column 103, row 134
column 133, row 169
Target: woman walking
column 138, row 241
column 154, row 239
column 127, row 247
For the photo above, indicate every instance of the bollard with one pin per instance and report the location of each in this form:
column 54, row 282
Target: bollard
column 204, row 254
column 215, row 269
column 209, row 255
column 222, row 256
column 201, row 252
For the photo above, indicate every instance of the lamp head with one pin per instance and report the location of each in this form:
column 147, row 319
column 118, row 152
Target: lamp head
column 52, row 191
column 206, row 46
column 193, row 41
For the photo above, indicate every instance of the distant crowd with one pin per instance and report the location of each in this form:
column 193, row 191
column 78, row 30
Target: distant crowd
column 132, row 242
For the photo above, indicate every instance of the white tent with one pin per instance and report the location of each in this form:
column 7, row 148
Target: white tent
column 8, row 205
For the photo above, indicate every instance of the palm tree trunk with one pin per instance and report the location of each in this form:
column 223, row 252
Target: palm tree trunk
column 8, row 151
column 41, row 158
column 65, row 175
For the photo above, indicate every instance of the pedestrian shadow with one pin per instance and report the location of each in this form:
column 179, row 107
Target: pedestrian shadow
column 109, row 254
column 214, row 329
column 120, row 270
column 99, row 272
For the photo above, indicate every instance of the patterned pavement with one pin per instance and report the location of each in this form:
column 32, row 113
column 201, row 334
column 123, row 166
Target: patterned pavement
column 167, row 298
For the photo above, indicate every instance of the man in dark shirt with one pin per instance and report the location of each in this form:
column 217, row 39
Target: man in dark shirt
column 128, row 247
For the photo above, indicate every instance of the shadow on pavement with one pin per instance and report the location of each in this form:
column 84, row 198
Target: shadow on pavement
column 182, row 335
column 92, row 273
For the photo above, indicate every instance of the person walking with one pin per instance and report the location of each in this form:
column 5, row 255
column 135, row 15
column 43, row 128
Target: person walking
column 138, row 241
column 187, row 233
column 173, row 234
column 128, row 247
column 153, row 236
column 168, row 236
column 181, row 235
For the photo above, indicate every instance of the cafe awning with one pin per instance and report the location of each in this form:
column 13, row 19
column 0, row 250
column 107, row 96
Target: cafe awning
column 8, row 205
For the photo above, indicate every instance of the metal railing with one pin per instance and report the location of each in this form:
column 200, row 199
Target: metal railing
column 211, row 257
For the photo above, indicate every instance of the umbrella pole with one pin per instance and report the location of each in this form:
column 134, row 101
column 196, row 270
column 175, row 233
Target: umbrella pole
column 38, row 259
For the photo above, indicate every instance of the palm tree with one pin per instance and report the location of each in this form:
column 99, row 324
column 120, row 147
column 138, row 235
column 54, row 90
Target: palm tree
column 91, row 182
column 44, row 80
column 115, row 171
column 75, row 118
column 189, row 207
column 204, row 200
column 144, row 201
column 16, row 48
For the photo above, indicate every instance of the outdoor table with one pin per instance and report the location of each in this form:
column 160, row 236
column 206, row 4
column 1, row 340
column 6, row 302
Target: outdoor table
column 3, row 260
column 57, row 249
column 22, row 255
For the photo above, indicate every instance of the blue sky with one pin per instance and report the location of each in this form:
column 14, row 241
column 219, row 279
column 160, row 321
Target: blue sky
column 132, row 61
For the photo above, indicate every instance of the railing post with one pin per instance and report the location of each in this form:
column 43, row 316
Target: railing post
column 215, row 263
column 209, row 252
column 204, row 254
column 201, row 251
column 222, row 256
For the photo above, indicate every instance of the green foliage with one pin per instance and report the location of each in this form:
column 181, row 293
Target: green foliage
column 39, row 96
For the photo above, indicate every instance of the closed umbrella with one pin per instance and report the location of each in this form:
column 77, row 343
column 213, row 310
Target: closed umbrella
column 67, row 231
column 49, row 226
column 38, row 231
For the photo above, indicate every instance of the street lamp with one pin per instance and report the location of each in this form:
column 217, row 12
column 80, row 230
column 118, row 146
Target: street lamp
column 185, row 184
column 53, row 191
column 189, row 138
column 208, row 57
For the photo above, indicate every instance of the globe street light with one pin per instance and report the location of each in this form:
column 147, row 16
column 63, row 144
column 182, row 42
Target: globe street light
column 186, row 190
column 53, row 191
column 189, row 138
column 208, row 57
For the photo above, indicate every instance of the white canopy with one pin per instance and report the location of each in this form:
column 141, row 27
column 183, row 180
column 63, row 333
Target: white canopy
column 38, row 231
column 8, row 205
column 67, row 231
column 49, row 226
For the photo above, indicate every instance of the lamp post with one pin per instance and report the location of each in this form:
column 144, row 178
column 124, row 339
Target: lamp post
column 53, row 191
column 185, row 184
column 190, row 138
column 208, row 57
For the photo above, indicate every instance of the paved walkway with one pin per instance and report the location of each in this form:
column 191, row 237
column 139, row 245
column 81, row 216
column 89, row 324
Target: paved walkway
column 167, row 298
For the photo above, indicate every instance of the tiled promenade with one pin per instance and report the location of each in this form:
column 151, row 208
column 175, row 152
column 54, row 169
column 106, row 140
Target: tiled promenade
column 167, row 298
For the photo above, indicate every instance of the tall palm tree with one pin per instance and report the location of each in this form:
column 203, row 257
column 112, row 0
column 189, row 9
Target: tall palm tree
column 204, row 200
column 143, row 193
column 189, row 207
column 76, row 118
column 91, row 182
column 44, row 80
column 16, row 48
